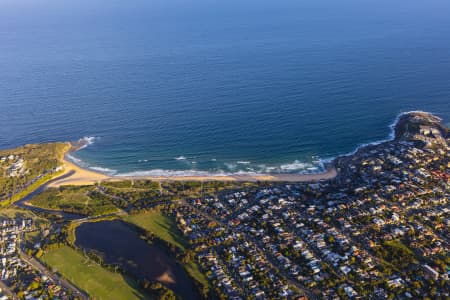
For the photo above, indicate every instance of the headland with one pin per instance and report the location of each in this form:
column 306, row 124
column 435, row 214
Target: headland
column 407, row 126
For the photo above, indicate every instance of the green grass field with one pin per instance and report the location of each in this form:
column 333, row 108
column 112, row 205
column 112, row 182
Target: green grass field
column 165, row 228
column 8, row 213
column 32, row 237
column 82, row 200
column 98, row 282
column 160, row 225
column 194, row 270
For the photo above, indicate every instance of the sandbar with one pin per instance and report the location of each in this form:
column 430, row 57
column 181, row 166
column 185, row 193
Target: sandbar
column 79, row 176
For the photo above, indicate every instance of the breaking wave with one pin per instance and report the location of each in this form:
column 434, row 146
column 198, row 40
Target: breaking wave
column 169, row 173
column 230, row 169
column 85, row 165
column 239, row 167
column 76, row 161
column 107, row 171
column 86, row 141
column 390, row 137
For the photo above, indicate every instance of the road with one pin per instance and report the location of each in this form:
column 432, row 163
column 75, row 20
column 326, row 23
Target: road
column 33, row 262
column 5, row 289
column 271, row 260
column 57, row 279
column 23, row 203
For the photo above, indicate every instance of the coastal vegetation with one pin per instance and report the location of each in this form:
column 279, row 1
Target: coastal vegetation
column 24, row 169
column 137, row 195
column 83, row 200
column 95, row 202
column 126, row 197
column 148, row 204
column 377, row 228
column 29, row 189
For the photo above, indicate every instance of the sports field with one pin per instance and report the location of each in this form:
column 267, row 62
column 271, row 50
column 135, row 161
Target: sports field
column 98, row 282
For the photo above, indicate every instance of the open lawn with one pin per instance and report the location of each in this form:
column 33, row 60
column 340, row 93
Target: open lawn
column 81, row 200
column 194, row 270
column 98, row 282
column 162, row 226
column 165, row 228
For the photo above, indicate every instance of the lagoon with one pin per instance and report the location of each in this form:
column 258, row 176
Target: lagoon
column 119, row 244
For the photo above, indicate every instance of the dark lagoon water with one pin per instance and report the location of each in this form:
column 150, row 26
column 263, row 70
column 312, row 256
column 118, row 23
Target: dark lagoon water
column 119, row 244
column 189, row 86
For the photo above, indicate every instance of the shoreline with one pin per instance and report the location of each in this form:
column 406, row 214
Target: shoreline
column 79, row 176
column 330, row 173
column 84, row 176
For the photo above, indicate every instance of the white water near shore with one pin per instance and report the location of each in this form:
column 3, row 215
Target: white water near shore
column 316, row 166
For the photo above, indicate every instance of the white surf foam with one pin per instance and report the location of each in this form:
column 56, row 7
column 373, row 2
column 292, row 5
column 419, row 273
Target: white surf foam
column 296, row 167
column 107, row 171
column 230, row 166
column 390, row 137
column 76, row 161
column 171, row 173
column 85, row 165
column 86, row 141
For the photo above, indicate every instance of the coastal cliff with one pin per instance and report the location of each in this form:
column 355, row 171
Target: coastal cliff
column 417, row 129
column 415, row 126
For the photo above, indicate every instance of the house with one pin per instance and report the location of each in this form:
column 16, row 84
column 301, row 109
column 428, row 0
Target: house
column 431, row 272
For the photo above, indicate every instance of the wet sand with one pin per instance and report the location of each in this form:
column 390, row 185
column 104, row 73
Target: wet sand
column 80, row 176
column 83, row 176
column 329, row 174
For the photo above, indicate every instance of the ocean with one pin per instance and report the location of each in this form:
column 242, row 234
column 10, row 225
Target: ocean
column 196, row 87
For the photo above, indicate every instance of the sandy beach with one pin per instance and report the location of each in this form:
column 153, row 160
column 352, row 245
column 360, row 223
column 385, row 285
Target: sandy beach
column 329, row 174
column 81, row 176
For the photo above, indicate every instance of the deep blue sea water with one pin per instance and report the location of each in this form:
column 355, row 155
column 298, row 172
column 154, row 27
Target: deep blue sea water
column 218, row 86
